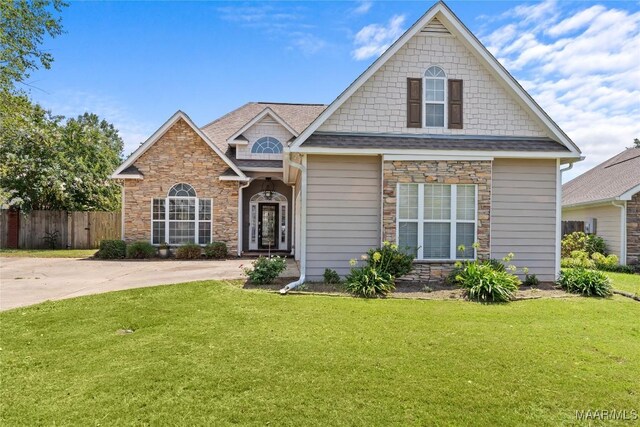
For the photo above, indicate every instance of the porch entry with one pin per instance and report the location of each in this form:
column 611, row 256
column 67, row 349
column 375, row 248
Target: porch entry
column 268, row 222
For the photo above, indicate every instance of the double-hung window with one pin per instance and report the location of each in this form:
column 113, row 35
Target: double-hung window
column 434, row 220
column 181, row 217
column 435, row 98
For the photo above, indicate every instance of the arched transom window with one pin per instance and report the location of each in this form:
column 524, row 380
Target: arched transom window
column 181, row 217
column 267, row 145
column 435, row 96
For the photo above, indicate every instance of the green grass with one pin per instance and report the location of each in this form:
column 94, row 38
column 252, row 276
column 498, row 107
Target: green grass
column 626, row 282
column 47, row 253
column 210, row 353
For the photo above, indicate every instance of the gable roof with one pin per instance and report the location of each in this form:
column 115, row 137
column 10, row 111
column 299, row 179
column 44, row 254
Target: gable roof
column 266, row 112
column 451, row 22
column 616, row 179
column 124, row 167
column 297, row 116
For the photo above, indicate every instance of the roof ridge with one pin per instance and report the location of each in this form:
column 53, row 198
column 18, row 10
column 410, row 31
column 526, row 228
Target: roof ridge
column 227, row 114
column 622, row 161
column 290, row 103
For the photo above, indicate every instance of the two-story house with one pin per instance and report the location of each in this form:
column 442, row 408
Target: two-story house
column 434, row 146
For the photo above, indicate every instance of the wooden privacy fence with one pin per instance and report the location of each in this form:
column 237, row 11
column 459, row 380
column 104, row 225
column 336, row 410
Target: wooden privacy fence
column 75, row 230
column 569, row 227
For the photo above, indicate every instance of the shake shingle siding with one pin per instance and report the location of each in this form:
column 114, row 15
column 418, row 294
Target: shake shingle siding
column 343, row 211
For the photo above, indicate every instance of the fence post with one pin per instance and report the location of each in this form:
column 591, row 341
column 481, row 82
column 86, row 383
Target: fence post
column 13, row 228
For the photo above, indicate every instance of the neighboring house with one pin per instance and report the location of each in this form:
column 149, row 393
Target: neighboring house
column 607, row 199
column 434, row 146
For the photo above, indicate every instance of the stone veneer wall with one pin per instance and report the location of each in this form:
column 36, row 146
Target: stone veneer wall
column 180, row 155
column 438, row 172
column 633, row 230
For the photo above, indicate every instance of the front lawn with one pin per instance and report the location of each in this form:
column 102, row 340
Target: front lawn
column 211, row 353
column 48, row 253
column 626, row 282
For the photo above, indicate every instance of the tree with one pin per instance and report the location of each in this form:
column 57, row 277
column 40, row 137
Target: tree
column 23, row 26
column 47, row 163
column 636, row 142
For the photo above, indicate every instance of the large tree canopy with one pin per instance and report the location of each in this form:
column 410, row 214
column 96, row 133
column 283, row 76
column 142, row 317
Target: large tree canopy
column 49, row 163
column 23, row 27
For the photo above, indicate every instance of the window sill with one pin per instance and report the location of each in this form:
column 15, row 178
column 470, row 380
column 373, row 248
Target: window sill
column 441, row 261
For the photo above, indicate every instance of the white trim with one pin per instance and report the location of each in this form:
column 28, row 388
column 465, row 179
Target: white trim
column 258, row 169
column 260, row 116
column 160, row 132
column 122, row 201
column 628, row 195
column 196, row 220
column 127, row 176
column 623, row 232
column 444, row 102
column 243, row 178
column 303, row 225
column 558, row 254
column 421, row 157
column 241, row 187
column 445, row 153
column 254, row 202
column 458, row 29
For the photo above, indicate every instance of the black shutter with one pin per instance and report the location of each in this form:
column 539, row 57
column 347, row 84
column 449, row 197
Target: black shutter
column 414, row 103
column 455, row 104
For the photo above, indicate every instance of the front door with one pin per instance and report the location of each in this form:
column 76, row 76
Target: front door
column 268, row 225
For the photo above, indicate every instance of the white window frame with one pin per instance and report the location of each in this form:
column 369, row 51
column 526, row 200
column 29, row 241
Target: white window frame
column 283, row 206
column 453, row 221
column 255, row 144
column 196, row 221
column 444, row 102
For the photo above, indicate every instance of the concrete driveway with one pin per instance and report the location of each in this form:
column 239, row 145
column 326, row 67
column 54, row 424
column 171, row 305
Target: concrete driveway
column 26, row 281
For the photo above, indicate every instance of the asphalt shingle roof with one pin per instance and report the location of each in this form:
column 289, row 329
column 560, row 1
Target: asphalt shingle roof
column 606, row 181
column 497, row 143
column 298, row 116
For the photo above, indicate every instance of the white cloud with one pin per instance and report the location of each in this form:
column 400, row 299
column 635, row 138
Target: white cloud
column 308, row 43
column 363, row 7
column 374, row 39
column 133, row 132
column 582, row 65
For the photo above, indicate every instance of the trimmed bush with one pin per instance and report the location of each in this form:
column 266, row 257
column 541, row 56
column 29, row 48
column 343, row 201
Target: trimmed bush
column 391, row 260
column 590, row 283
column 368, row 282
column 112, row 249
column 331, row 277
column 483, row 283
column 265, row 270
column 216, row 250
column 189, row 251
column 140, row 250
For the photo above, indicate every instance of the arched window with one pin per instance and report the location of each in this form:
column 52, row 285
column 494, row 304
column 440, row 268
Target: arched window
column 267, row 145
column 181, row 217
column 435, row 96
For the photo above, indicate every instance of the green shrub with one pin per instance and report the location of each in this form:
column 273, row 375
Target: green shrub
column 112, row 249
column 140, row 250
column 496, row 264
column 331, row 277
column 586, row 282
column 189, row 251
column 265, row 270
column 531, row 280
column 216, row 250
column 485, row 284
column 368, row 282
column 579, row 241
column 390, row 260
column 578, row 259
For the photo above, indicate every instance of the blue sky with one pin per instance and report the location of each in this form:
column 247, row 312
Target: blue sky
column 136, row 63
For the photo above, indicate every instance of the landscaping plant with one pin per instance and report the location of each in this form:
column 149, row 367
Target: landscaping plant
column 140, row 250
column 590, row 283
column 579, row 241
column 392, row 260
column 189, row 251
column 331, row 277
column 265, row 270
column 368, row 282
column 216, row 250
column 112, row 249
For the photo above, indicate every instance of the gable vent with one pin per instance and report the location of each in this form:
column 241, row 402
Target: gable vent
column 268, row 120
column 435, row 26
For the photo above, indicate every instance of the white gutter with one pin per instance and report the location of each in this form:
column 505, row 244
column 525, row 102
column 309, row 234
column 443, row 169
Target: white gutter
column 303, row 226
column 240, row 225
column 623, row 231
column 293, row 220
column 559, row 213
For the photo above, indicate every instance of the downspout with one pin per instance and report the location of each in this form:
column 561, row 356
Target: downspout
column 559, row 214
column 293, row 220
column 623, row 231
column 303, row 228
column 240, row 225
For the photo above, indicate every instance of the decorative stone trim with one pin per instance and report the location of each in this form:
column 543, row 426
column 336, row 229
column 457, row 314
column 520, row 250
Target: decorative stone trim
column 425, row 273
column 633, row 230
column 439, row 172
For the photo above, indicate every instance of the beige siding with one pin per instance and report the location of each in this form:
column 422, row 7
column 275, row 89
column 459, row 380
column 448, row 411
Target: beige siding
column 380, row 104
column 523, row 214
column 343, row 211
column 608, row 226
